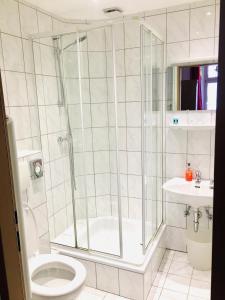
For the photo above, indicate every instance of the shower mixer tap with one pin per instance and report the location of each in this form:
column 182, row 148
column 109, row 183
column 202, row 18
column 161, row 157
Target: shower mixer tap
column 61, row 139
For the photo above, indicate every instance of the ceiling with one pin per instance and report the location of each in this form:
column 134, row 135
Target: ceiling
column 92, row 9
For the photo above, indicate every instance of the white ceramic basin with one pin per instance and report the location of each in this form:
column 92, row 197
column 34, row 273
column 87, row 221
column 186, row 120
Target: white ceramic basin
column 186, row 192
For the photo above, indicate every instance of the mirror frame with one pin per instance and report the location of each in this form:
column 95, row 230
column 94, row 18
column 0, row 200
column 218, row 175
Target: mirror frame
column 176, row 77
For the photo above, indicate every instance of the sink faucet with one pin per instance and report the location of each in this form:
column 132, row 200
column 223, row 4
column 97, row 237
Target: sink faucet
column 198, row 177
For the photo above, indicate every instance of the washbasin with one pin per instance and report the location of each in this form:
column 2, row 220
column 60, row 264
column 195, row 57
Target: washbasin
column 190, row 193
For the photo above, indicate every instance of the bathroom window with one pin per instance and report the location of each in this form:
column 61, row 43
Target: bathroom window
column 211, row 86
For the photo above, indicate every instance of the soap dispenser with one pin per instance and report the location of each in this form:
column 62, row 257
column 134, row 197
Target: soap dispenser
column 188, row 173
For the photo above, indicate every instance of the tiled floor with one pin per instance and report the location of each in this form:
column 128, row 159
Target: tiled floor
column 93, row 294
column 176, row 280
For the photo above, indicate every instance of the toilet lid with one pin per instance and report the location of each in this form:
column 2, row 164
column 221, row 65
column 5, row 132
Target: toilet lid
column 44, row 262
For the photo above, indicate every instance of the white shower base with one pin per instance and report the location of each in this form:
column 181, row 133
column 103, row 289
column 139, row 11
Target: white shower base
column 104, row 237
column 138, row 271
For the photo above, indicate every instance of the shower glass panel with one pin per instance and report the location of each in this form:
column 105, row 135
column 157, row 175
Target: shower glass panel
column 157, row 128
column 89, row 80
column 152, row 87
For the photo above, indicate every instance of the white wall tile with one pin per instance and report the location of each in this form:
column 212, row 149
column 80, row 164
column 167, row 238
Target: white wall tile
column 158, row 22
column 97, row 64
column 91, row 272
column 133, row 139
column 48, row 60
column 101, row 161
column 133, row 110
column 133, row 88
column 217, row 25
column 175, row 215
column 178, row 26
column 132, row 34
column 96, row 40
column 202, row 22
column 199, row 142
column 99, row 115
column 16, row 88
column 177, row 52
column 176, row 238
column 9, row 17
column 98, row 90
column 175, row 165
column 134, row 163
column 22, row 125
column 12, row 53
column 202, row 48
column 28, row 18
column 107, row 278
column 132, row 61
column 131, row 285
column 135, row 186
column 176, row 141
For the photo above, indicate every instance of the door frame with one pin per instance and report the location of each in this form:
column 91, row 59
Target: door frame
column 13, row 285
column 218, row 259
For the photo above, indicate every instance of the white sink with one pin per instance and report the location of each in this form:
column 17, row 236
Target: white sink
column 186, row 192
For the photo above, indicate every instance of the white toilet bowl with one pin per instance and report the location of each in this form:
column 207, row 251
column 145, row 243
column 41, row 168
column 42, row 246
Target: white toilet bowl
column 55, row 276
column 52, row 276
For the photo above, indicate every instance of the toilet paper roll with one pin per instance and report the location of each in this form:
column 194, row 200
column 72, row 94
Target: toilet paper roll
column 24, row 175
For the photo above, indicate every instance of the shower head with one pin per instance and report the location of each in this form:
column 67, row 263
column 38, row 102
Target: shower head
column 81, row 39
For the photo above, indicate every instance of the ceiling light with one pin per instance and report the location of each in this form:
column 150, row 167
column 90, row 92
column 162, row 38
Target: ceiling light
column 208, row 13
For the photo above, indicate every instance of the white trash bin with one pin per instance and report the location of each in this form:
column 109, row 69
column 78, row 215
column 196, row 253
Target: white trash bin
column 199, row 248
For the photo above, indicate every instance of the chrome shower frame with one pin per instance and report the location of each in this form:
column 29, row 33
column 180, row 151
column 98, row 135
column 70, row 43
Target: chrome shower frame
column 62, row 103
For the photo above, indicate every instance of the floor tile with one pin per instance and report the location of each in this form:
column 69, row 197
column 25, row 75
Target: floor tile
column 199, row 289
column 114, row 297
column 202, row 275
column 170, row 295
column 154, row 293
column 181, row 269
column 181, row 257
column 91, row 294
column 196, row 298
column 177, row 283
column 160, row 279
column 165, row 265
column 169, row 254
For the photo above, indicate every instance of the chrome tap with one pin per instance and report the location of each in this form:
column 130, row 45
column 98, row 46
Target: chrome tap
column 211, row 184
column 198, row 177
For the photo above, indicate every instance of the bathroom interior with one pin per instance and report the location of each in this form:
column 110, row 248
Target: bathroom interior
column 111, row 111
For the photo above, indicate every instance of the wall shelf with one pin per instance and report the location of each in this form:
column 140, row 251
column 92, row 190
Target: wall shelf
column 192, row 126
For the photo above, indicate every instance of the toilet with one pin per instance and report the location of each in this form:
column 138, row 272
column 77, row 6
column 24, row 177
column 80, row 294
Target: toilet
column 52, row 276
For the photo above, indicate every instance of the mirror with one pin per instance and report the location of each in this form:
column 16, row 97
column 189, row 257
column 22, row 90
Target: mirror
column 192, row 87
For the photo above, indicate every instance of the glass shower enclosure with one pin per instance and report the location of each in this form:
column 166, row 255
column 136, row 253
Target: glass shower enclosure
column 110, row 98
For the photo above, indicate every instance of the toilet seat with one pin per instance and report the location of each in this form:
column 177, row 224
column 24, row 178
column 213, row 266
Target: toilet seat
column 47, row 261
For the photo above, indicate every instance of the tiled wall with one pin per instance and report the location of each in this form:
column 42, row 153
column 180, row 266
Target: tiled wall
column 191, row 33
column 183, row 146
column 25, row 91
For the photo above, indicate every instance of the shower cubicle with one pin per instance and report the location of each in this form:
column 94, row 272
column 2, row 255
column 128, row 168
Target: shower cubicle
column 110, row 137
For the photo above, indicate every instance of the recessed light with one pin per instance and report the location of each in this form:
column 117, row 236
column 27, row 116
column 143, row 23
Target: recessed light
column 208, row 13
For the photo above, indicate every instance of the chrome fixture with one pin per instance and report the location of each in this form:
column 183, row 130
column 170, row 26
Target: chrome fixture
column 209, row 214
column 187, row 212
column 36, row 168
column 197, row 216
column 198, row 177
column 211, row 184
column 62, row 139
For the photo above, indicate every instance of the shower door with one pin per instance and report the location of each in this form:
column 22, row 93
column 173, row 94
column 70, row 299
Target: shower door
column 89, row 77
column 152, row 132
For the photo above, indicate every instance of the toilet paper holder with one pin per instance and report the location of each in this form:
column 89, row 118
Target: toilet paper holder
column 36, row 168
